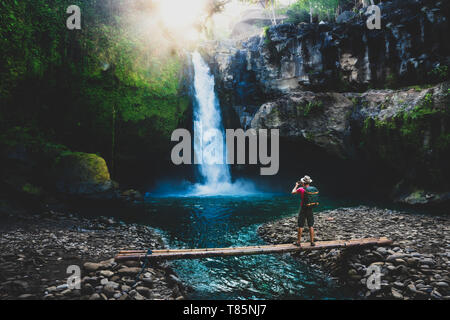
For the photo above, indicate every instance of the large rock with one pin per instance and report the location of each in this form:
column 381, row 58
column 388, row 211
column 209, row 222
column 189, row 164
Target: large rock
column 425, row 198
column 404, row 130
column 319, row 118
column 82, row 174
column 407, row 131
column 37, row 168
column 415, row 196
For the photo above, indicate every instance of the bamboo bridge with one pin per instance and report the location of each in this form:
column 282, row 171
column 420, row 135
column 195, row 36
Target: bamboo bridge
column 174, row 254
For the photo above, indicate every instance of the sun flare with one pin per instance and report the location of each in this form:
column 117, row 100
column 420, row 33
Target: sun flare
column 181, row 16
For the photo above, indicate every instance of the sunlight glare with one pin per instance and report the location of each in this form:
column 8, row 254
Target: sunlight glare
column 181, row 16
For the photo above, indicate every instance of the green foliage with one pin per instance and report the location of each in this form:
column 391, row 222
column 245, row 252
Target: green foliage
column 297, row 13
column 425, row 108
column 439, row 73
column 75, row 87
column 343, row 84
column 265, row 35
column 410, row 124
column 443, row 142
column 313, row 106
column 325, row 10
column 391, row 81
column 31, row 189
column 309, row 136
column 421, row 87
column 415, row 138
column 310, row 108
column 31, row 139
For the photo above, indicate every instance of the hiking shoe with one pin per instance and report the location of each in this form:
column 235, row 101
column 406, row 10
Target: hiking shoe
column 313, row 244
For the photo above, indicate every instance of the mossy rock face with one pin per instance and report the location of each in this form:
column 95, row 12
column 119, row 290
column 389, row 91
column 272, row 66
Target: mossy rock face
column 408, row 130
column 31, row 189
column 423, row 197
column 79, row 173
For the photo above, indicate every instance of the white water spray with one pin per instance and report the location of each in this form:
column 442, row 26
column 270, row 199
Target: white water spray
column 209, row 138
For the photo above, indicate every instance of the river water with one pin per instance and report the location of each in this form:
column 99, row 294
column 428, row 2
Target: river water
column 226, row 221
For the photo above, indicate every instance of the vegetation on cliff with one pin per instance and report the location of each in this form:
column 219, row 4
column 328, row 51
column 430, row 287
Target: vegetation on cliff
column 107, row 88
column 317, row 10
column 415, row 140
column 35, row 167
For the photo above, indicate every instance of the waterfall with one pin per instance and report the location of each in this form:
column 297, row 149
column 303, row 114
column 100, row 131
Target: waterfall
column 209, row 134
column 210, row 152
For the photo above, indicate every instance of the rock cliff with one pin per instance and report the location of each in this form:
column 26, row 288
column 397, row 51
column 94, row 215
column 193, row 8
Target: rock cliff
column 371, row 95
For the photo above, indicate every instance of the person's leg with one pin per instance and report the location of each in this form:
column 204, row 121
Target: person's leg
column 301, row 224
column 299, row 236
column 311, row 234
column 311, row 225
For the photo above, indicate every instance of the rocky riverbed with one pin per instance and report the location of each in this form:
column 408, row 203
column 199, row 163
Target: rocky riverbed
column 37, row 249
column 416, row 266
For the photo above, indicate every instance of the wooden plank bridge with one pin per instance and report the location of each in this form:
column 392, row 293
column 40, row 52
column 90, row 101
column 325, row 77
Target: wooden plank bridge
column 173, row 254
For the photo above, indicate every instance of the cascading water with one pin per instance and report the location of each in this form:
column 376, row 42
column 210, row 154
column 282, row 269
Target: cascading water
column 209, row 138
column 208, row 129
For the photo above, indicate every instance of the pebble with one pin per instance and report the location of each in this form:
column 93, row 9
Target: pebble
column 91, row 267
column 109, row 290
column 396, row 294
column 415, row 267
column 95, row 296
column 62, row 287
column 442, row 284
column 106, row 273
column 54, row 241
column 129, row 271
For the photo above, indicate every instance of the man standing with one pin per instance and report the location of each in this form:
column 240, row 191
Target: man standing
column 309, row 199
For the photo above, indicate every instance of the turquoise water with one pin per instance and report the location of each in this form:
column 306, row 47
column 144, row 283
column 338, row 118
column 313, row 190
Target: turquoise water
column 198, row 222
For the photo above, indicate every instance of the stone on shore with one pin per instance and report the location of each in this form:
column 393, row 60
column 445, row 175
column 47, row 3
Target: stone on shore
column 416, row 266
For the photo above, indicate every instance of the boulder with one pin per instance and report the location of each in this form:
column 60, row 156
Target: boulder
column 83, row 174
column 131, row 195
column 423, row 197
column 319, row 118
column 129, row 271
column 92, row 267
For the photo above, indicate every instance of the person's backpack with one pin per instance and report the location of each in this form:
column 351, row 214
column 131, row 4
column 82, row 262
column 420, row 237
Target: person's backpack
column 311, row 197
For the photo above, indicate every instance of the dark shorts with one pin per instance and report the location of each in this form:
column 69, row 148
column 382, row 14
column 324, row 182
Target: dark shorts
column 306, row 214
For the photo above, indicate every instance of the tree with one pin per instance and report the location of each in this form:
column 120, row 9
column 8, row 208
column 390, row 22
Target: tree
column 323, row 9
